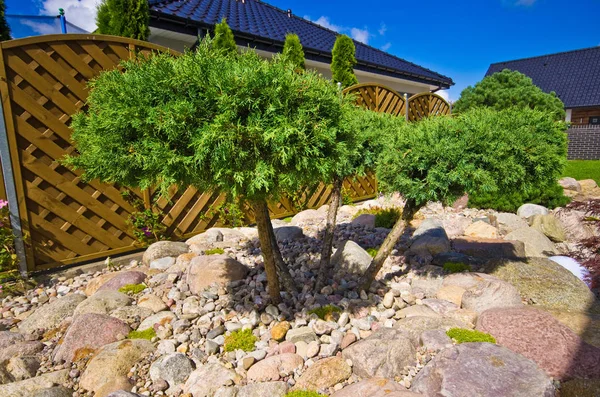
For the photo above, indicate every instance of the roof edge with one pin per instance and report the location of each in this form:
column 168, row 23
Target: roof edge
column 547, row 55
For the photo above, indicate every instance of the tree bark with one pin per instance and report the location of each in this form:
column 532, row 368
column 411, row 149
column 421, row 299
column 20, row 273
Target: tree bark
column 263, row 223
column 408, row 212
column 284, row 273
column 325, row 262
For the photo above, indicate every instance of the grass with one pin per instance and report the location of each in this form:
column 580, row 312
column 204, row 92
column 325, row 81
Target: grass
column 324, row 311
column 583, row 169
column 145, row 334
column 242, row 339
column 384, row 217
column 132, row 288
column 304, row 393
column 214, row 251
column 456, row 267
column 461, row 335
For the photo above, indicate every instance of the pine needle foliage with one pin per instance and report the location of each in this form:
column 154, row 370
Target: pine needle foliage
column 508, row 89
column 126, row 18
column 4, row 28
column 293, row 51
column 343, row 61
column 224, row 39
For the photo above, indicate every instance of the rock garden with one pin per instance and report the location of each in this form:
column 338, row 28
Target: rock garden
column 468, row 304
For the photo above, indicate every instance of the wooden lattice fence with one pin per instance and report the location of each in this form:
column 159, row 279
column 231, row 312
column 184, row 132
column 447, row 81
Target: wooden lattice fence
column 425, row 105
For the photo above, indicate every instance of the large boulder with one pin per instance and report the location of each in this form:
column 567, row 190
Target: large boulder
column 545, row 283
column 527, row 210
column 482, row 369
column 570, row 184
column 481, row 229
column 88, row 333
column 430, row 236
column 586, row 325
column 50, row 316
column 375, row 387
column 351, row 258
column 271, row 368
column 489, row 248
column 549, row 226
column 31, row 386
column 536, row 243
column 384, row 353
column 508, row 222
column 286, row 233
column 415, row 326
column 540, row 337
column 102, row 302
column 122, row 279
column 205, row 270
column 107, row 371
column 307, row 217
column 324, row 374
column 20, row 349
column 216, row 237
column 162, row 249
column 573, row 224
column 207, row 379
column 56, row 391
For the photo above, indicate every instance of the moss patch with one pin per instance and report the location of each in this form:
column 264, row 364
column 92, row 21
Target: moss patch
column 456, row 267
column 372, row 251
column 145, row 334
column 304, row 393
column 325, row 311
column 214, row 251
column 240, row 340
column 132, row 288
column 288, row 219
column 384, row 217
column 461, row 335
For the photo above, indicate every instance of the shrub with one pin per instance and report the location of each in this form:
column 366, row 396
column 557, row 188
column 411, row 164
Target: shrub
column 343, row 61
column 145, row 334
column 224, row 39
column 242, row 339
column 507, row 89
column 461, row 335
column 214, row 251
column 304, row 393
column 126, row 18
column 551, row 196
column 132, row 288
column 8, row 256
column 4, row 28
column 456, row 267
column 384, row 217
column 293, row 52
column 325, row 311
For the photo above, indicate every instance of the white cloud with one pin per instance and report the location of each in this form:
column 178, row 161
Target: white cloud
column 382, row 29
column 41, row 28
column 386, row 46
column 361, row 35
column 444, row 94
column 81, row 13
column 324, row 21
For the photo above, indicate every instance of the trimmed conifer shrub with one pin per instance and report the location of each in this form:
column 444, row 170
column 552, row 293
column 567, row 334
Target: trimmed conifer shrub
column 224, row 39
column 343, row 61
column 293, row 51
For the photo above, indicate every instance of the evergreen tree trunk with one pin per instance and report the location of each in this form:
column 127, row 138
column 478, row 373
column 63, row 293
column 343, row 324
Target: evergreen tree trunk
column 408, row 212
column 263, row 223
column 284, row 273
column 325, row 263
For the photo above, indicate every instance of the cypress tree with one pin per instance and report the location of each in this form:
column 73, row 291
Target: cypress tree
column 293, row 52
column 4, row 28
column 343, row 61
column 224, row 39
column 126, row 18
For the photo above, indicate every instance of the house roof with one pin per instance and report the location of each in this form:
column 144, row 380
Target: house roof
column 256, row 21
column 573, row 75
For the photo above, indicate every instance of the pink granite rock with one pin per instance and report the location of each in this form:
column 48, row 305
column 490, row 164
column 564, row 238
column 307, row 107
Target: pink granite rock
column 123, row 279
column 375, row 387
column 270, row 368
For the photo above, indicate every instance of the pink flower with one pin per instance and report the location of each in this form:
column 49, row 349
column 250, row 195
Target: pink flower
column 3, row 203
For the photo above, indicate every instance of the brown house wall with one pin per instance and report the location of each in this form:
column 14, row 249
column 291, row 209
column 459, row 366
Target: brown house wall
column 582, row 116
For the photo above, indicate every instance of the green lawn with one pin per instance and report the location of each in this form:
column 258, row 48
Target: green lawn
column 583, row 169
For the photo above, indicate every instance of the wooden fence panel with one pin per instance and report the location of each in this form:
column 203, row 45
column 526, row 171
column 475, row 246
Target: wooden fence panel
column 378, row 98
column 425, row 105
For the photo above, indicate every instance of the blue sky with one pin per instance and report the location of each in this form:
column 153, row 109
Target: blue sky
column 456, row 38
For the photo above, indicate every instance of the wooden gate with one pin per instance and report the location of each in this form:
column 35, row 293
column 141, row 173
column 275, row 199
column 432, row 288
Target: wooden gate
column 43, row 82
column 425, row 105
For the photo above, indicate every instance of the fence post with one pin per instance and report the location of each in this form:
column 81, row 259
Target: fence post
column 63, row 21
column 11, row 195
column 406, row 106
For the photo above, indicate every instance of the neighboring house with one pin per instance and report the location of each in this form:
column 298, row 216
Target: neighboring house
column 178, row 24
column 573, row 75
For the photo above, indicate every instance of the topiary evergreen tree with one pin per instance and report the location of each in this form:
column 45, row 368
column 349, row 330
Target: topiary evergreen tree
column 4, row 28
column 224, row 39
column 126, row 18
column 293, row 52
column 343, row 61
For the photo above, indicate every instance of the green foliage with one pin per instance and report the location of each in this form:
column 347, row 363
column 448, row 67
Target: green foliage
column 214, row 251
column 481, row 151
column 325, row 311
column 146, row 222
column 241, row 125
column 508, row 89
column 304, row 393
column 551, row 196
column 126, row 18
column 456, row 267
column 132, row 288
column 346, row 197
column 461, row 335
column 242, row 339
column 372, row 251
column 343, row 61
column 293, row 52
column 384, row 217
column 4, row 28
column 288, row 219
column 583, row 169
column 145, row 334
column 224, row 39
column 8, row 257
column 229, row 213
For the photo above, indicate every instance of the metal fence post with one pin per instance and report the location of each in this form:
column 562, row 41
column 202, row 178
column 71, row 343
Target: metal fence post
column 63, row 20
column 11, row 195
column 406, row 106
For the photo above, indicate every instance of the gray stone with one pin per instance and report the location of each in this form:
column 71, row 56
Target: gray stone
column 499, row 373
column 508, row 222
column 415, row 326
column 536, row 243
column 174, row 368
column 206, row 270
column 287, row 233
column 527, row 210
column 50, row 316
column 568, row 183
column 160, row 318
column 263, row 389
column 207, row 379
column 29, row 387
column 385, row 353
column 102, row 302
column 431, row 237
column 549, row 226
column 130, row 314
column 351, row 258
column 123, row 393
column 490, row 294
column 163, row 249
column 366, row 220
column 23, row 367
column 304, row 334
column 162, row 263
column 59, row 391
column 435, row 340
